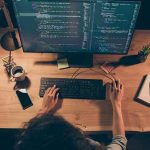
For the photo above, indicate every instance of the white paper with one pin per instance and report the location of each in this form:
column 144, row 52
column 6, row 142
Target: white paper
column 144, row 93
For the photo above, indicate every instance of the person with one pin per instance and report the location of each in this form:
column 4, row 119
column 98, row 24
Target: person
column 49, row 131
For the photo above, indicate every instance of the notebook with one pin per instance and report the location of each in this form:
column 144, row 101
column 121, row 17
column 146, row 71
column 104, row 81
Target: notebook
column 143, row 94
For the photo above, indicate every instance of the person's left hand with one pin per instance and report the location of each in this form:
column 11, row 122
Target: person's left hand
column 50, row 100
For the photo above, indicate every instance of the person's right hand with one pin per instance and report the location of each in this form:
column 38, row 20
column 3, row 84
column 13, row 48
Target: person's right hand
column 115, row 92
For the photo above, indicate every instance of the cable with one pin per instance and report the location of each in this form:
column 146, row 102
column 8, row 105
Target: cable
column 80, row 73
column 93, row 71
column 102, row 74
column 107, row 75
column 75, row 72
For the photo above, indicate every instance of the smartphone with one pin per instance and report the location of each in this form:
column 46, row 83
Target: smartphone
column 24, row 98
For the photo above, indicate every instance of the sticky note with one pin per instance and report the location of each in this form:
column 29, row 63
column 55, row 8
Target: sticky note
column 62, row 63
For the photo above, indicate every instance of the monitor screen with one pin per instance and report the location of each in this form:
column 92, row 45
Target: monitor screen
column 83, row 26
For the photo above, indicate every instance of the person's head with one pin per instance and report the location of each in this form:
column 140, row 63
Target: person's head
column 50, row 132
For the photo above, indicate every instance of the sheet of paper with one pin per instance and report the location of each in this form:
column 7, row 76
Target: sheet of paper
column 62, row 63
column 144, row 93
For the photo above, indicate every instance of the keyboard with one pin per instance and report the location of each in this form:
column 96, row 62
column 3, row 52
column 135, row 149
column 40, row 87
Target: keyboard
column 75, row 88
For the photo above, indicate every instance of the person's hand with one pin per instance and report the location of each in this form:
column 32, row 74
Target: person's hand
column 50, row 100
column 115, row 92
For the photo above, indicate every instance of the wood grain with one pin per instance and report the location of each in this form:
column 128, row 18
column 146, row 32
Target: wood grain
column 88, row 115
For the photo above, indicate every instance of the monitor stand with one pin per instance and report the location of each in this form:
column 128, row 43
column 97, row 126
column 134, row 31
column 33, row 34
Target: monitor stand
column 78, row 60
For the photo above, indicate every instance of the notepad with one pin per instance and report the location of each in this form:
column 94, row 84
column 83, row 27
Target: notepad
column 144, row 91
column 62, row 63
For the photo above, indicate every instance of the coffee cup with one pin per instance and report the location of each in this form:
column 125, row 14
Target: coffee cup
column 17, row 73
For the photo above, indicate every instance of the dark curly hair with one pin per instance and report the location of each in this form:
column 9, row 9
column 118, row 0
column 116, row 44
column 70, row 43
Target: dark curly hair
column 51, row 132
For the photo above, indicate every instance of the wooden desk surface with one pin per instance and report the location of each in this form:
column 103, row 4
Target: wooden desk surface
column 88, row 115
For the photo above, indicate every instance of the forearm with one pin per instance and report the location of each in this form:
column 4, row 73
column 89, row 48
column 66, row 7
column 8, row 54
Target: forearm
column 118, row 124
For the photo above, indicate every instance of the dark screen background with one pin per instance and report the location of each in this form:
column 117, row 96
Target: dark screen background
column 76, row 26
column 142, row 22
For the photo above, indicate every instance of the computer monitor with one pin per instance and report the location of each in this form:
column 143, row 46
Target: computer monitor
column 76, row 26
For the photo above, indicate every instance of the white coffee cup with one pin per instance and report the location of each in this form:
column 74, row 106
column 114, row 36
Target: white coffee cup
column 17, row 73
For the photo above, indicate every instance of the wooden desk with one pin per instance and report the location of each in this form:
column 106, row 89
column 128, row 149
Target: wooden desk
column 89, row 115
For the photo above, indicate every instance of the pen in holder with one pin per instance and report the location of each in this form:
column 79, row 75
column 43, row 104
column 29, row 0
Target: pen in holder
column 8, row 63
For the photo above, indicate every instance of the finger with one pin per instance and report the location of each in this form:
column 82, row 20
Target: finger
column 57, row 97
column 55, row 91
column 47, row 91
column 114, row 85
column 52, row 89
column 118, row 84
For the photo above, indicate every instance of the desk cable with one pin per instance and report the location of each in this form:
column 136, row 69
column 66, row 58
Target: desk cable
column 108, row 75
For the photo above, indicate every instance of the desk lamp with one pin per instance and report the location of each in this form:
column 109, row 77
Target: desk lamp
column 9, row 40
